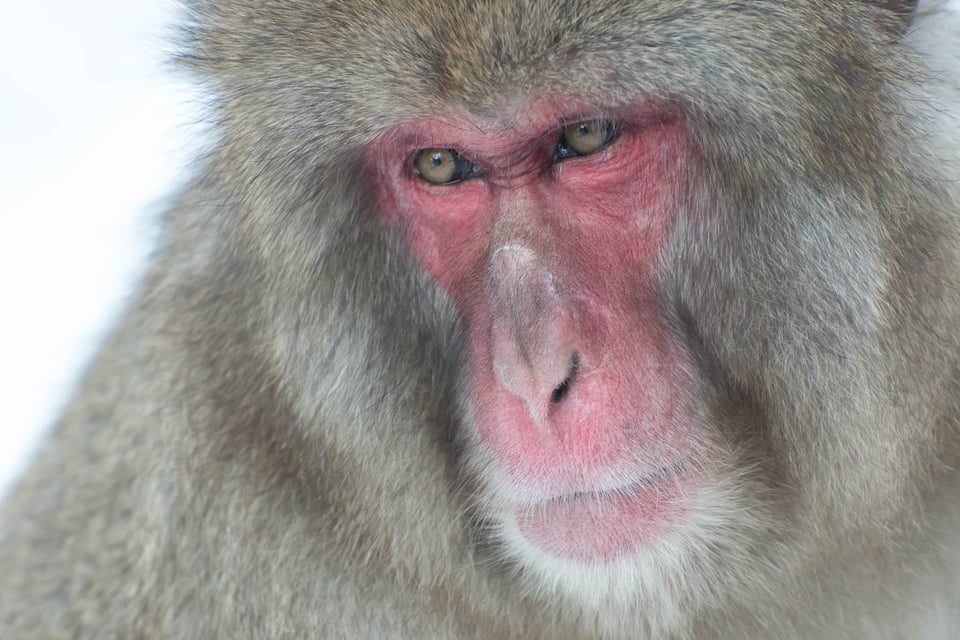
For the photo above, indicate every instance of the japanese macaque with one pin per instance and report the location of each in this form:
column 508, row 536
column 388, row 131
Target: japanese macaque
column 528, row 319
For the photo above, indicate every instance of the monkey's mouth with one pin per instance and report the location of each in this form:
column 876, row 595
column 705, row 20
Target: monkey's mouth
column 647, row 482
column 604, row 525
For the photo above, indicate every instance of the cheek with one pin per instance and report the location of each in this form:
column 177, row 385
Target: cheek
column 448, row 232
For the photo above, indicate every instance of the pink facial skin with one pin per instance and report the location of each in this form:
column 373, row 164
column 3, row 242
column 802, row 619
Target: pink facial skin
column 574, row 382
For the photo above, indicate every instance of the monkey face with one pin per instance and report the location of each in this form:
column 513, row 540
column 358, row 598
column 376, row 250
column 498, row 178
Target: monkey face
column 545, row 233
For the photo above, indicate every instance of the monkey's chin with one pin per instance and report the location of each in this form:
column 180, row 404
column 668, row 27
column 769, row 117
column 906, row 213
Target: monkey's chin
column 605, row 526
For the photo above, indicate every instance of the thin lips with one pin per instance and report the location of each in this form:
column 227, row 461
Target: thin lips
column 600, row 494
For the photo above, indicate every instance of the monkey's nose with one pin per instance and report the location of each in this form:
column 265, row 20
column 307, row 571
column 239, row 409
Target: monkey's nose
column 541, row 381
column 541, row 372
column 535, row 334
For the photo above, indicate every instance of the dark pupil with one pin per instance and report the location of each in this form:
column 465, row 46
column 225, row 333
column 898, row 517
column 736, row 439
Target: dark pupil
column 583, row 129
column 436, row 159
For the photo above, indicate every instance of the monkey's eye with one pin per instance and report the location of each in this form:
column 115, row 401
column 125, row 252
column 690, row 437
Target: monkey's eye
column 586, row 137
column 443, row 166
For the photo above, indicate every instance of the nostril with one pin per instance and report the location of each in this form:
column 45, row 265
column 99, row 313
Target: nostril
column 560, row 391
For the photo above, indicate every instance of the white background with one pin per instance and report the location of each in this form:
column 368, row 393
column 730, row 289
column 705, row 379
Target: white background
column 92, row 138
column 93, row 135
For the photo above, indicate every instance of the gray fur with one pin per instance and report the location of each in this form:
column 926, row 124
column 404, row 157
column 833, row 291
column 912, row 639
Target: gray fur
column 271, row 444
